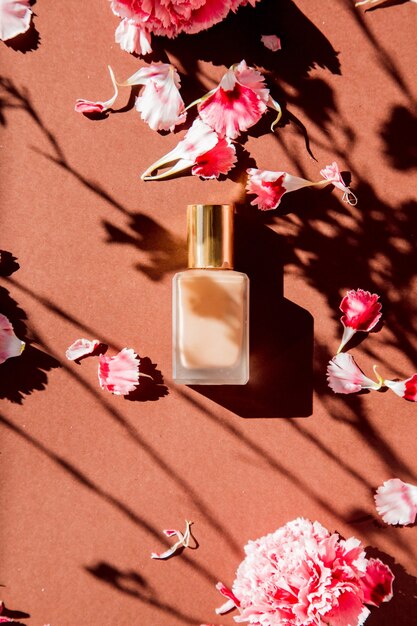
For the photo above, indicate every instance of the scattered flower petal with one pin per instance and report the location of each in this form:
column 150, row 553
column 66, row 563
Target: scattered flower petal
column 15, row 16
column 302, row 574
column 232, row 602
column 172, row 17
column 362, row 312
column 237, row 103
column 119, row 374
column 218, row 160
column 269, row 187
column 132, row 37
column 88, row 106
column 396, row 502
column 404, row 388
column 199, row 140
column 3, row 619
column 272, row 42
column 10, row 345
column 377, row 583
column 344, row 376
column 80, row 348
column 332, row 174
column 183, row 542
column 159, row 102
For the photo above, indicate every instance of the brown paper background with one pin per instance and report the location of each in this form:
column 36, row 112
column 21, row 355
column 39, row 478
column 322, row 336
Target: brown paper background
column 89, row 480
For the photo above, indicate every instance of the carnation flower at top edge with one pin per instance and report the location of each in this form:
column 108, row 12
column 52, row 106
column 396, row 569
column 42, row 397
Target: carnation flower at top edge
column 303, row 575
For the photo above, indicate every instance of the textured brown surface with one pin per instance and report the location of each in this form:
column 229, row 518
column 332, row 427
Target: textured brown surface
column 89, row 480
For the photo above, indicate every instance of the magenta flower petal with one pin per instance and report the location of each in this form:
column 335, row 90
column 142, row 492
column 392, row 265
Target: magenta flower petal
column 119, row 374
column 269, row 187
column 377, row 583
column 218, row 160
column 88, row 106
column 344, row 376
column 396, row 502
column 80, row 348
column 10, row 345
column 362, row 312
column 272, row 42
column 15, row 16
column 406, row 389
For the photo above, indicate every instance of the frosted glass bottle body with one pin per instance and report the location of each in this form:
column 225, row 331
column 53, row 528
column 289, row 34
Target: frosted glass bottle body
column 211, row 327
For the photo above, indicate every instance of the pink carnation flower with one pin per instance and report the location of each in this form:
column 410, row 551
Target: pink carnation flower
column 362, row 312
column 406, row 389
column 119, row 374
column 344, row 376
column 10, row 345
column 302, row 575
column 168, row 18
column 396, row 502
column 15, row 16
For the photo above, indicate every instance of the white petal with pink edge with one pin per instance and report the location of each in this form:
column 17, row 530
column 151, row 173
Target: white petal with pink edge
column 10, row 345
column 80, row 348
column 344, row 376
column 396, row 502
column 183, row 541
column 15, row 16
column 119, row 374
column 332, row 174
column 406, row 389
column 132, row 37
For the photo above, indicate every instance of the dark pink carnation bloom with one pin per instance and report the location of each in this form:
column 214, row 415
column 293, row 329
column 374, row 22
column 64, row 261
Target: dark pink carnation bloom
column 168, row 18
column 302, row 575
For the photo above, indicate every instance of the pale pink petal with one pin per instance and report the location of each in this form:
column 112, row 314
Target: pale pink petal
column 119, row 374
column 396, row 502
column 332, row 174
column 198, row 140
column 80, row 348
column 183, row 542
column 404, row 388
column 269, row 187
column 362, row 312
column 377, row 583
column 132, row 37
column 10, row 345
column 272, row 42
column 15, row 16
column 344, row 376
column 218, row 160
column 88, row 106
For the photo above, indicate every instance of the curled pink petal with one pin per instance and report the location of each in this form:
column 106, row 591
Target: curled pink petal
column 344, row 376
column 362, row 312
column 80, row 348
column 133, row 37
column 88, row 106
column 10, row 345
column 218, row 160
column 377, row 583
column 119, row 374
column 15, row 16
column 406, row 389
column 396, row 502
column 183, row 542
column 272, row 42
column 332, row 174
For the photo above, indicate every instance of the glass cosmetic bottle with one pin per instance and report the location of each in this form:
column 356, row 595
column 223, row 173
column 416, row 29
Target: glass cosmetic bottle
column 210, row 304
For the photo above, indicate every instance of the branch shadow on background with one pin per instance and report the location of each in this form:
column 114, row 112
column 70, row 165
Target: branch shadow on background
column 281, row 334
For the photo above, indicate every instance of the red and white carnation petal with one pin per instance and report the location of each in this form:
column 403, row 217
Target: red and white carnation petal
column 269, row 187
column 199, row 139
column 344, row 376
column 119, row 374
column 362, row 312
column 272, row 42
column 88, row 106
column 332, row 174
column 15, row 16
column 377, row 583
column 218, row 160
column 160, row 102
column 249, row 77
column 80, row 348
column 183, row 541
column 10, row 345
column 396, row 502
column 406, row 389
column 347, row 611
column 132, row 37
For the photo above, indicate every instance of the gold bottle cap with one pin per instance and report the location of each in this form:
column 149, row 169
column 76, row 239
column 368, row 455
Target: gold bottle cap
column 210, row 235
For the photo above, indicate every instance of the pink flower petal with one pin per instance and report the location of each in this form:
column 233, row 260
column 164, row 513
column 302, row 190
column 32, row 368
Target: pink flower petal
column 218, row 160
column 396, row 502
column 3, row 620
column 347, row 611
column 362, row 312
column 15, row 16
column 88, row 106
column 10, row 345
column 377, row 583
column 80, row 348
column 272, row 42
column 183, row 542
column 406, row 389
column 332, row 174
column 119, row 374
column 132, row 37
column 232, row 601
column 344, row 376
column 269, row 187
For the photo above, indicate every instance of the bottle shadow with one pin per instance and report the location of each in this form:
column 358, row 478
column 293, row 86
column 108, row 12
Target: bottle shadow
column 281, row 334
